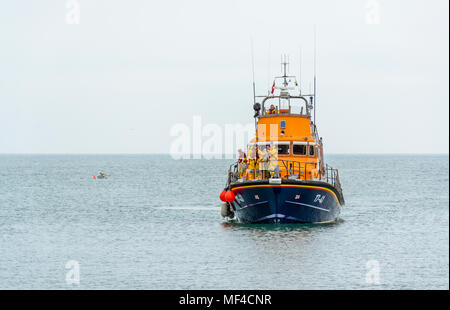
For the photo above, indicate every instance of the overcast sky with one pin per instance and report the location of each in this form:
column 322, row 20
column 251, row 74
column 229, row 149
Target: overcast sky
column 120, row 79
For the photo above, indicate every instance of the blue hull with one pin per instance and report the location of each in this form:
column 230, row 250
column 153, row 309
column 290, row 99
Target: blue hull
column 288, row 202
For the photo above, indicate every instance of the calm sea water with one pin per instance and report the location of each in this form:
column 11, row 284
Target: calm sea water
column 155, row 224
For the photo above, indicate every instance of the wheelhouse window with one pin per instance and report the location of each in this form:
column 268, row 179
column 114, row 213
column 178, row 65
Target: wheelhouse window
column 299, row 148
column 283, row 148
column 312, row 149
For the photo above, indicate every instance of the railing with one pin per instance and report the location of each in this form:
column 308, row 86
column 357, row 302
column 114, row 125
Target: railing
column 292, row 170
column 296, row 170
column 332, row 177
column 233, row 174
column 299, row 170
column 303, row 104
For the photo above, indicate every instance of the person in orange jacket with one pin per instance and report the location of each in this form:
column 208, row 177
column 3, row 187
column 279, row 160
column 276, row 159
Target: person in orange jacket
column 243, row 163
column 253, row 162
column 272, row 110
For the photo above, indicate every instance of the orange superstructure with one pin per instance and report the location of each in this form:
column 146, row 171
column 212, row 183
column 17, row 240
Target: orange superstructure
column 284, row 121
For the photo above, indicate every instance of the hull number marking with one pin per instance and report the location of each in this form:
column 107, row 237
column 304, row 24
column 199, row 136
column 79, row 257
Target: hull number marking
column 319, row 198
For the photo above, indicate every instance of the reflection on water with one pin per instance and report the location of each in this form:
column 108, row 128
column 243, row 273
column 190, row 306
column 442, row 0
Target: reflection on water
column 279, row 230
column 235, row 224
column 279, row 242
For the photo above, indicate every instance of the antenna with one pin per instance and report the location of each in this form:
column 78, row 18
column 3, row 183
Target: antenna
column 281, row 63
column 288, row 63
column 254, row 91
column 300, row 71
column 284, row 63
column 315, row 56
column 268, row 71
column 253, row 71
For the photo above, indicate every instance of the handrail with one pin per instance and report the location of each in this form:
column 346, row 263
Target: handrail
column 264, row 110
column 302, row 167
column 332, row 177
column 233, row 174
column 299, row 170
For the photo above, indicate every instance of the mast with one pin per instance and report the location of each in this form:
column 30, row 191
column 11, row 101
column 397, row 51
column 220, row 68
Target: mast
column 253, row 73
column 268, row 71
column 284, row 64
column 254, row 88
column 300, row 72
column 315, row 99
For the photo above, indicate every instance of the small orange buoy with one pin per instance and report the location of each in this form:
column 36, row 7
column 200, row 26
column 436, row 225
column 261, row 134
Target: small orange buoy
column 229, row 196
column 222, row 195
column 95, row 177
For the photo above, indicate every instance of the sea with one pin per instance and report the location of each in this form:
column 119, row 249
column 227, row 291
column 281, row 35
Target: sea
column 155, row 223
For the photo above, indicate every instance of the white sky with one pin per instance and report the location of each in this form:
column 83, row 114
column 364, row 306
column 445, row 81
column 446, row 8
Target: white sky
column 118, row 81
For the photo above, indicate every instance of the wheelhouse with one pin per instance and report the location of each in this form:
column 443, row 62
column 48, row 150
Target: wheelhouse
column 286, row 105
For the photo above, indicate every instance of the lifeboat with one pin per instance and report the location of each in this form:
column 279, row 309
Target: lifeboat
column 282, row 176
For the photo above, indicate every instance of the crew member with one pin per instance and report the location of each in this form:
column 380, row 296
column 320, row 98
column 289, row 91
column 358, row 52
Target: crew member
column 272, row 110
column 252, row 162
column 242, row 161
column 263, row 162
column 274, row 168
